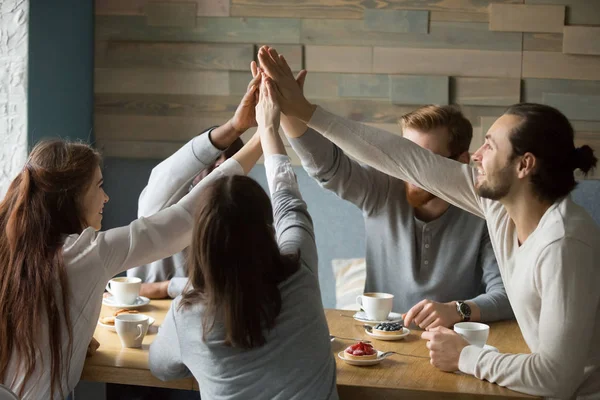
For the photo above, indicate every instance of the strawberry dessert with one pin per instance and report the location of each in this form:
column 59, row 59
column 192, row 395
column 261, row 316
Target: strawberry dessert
column 360, row 351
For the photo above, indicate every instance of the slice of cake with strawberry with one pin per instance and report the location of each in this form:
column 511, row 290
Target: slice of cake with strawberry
column 360, row 351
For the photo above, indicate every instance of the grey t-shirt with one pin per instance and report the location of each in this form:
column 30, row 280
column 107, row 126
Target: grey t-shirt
column 447, row 259
column 296, row 362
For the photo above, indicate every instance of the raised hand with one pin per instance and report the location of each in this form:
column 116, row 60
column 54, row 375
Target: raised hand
column 292, row 100
column 244, row 117
column 268, row 109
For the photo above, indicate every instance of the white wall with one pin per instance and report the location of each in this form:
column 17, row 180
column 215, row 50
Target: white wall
column 13, row 89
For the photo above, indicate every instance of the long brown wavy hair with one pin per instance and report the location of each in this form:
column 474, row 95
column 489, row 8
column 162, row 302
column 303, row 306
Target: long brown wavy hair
column 235, row 265
column 41, row 207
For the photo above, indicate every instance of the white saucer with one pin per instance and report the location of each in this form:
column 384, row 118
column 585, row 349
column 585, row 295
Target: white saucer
column 405, row 332
column 362, row 363
column 113, row 329
column 139, row 302
column 488, row 347
column 361, row 316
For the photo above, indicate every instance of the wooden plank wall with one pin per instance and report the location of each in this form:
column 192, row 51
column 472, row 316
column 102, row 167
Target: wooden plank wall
column 167, row 69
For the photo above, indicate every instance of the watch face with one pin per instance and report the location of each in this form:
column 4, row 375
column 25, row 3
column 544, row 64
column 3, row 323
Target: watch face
column 465, row 309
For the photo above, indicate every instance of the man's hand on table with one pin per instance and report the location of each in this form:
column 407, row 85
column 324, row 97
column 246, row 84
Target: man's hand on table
column 155, row 290
column 92, row 347
column 445, row 347
column 428, row 314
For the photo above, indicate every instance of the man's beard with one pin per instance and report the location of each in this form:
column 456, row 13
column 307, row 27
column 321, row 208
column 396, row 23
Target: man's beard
column 416, row 196
column 500, row 189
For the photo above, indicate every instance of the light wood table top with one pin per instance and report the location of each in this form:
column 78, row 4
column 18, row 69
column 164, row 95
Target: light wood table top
column 395, row 377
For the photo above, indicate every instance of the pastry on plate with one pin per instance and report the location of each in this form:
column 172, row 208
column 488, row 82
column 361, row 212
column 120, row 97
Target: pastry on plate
column 360, row 351
column 388, row 328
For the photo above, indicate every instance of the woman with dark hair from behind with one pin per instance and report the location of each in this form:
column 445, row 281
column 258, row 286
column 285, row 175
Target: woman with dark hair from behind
column 252, row 324
column 54, row 264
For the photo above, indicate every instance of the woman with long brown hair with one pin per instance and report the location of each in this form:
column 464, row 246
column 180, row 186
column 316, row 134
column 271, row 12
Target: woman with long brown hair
column 251, row 324
column 54, row 264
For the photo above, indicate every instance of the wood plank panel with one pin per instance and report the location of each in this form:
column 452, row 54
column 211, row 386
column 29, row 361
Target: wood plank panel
column 457, row 16
column 419, row 90
column 579, row 12
column 574, row 106
column 195, row 56
column 138, row 149
column 339, row 59
column 119, row 7
column 153, row 128
column 542, row 41
column 447, row 62
column 216, row 30
column 539, row 64
column 486, row 91
column 110, row 80
column 363, row 85
column 448, row 35
column 586, row 126
column 397, row 21
column 364, row 110
column 238, row 82
column 526, row 18
column 206, row 8
column 581, row 40
column 164, row 104
column 171, row 14
column 321, row 85
column 533, row 89
column 351, row 9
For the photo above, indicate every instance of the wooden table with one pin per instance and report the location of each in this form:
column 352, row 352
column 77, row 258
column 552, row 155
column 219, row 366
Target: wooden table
column 394, row 378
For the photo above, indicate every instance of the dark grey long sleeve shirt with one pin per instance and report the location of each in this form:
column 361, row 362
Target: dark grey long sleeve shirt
column 447, row 259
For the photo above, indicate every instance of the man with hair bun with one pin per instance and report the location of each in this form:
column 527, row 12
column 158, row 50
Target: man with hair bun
column 547, row 247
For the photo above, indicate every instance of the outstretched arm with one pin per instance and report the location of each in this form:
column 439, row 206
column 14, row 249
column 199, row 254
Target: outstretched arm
column 389, row 153
column 170, row 180
column 293, row 224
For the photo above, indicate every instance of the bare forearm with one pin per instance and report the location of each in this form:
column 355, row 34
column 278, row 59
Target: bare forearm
column 249, row 154
column 271, row 141
column 293, row 127
column 224, row 135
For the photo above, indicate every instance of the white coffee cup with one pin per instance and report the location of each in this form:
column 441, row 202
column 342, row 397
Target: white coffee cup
column 377, row 306
column 125, row 290
column 131, row 329
column 475, row 333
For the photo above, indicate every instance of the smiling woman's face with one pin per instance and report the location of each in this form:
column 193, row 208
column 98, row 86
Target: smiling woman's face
column 93, row 200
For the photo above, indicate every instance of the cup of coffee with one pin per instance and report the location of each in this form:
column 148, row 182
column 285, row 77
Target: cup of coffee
column 377, row 306
column 125, row 290
column 131, row 329
column 475, row 333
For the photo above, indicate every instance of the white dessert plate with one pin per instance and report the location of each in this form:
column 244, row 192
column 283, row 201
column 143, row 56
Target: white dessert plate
column 362, row 363
column 361, row 316
column 401, row 335
column 113, row 329
column 139, row 302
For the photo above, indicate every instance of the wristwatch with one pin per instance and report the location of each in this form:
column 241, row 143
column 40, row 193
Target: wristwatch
column 464, row 310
